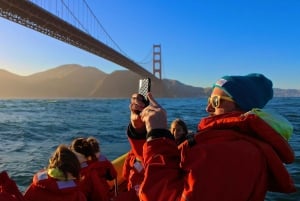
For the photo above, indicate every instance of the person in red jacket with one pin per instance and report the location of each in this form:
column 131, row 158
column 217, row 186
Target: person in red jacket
column 59, row 182
column 105, row 169
column 179, row 129
column 94, row 171
column 9, row 190
column 133, row 167
column 235, row 155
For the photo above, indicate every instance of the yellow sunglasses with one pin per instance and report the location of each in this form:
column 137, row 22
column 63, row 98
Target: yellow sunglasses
column 215, row 100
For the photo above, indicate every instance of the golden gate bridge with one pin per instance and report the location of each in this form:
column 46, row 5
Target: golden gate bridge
column 74, row 22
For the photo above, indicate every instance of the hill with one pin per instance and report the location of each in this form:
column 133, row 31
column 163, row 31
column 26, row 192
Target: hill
column 75, row 81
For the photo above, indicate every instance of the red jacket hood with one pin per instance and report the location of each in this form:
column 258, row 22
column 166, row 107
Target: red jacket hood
column 253, row 126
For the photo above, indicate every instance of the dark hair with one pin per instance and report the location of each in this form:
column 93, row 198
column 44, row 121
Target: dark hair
column 82, row 146
column 94, row 144
column 65, row 160
column 181, row 123
column 141, row 98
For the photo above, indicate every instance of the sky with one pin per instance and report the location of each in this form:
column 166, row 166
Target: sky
column 201, row 40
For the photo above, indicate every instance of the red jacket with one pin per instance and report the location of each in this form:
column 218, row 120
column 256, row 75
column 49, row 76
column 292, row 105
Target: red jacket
column 133, row 171
column 133, row 168
column 94, row 176
column 8, row 189
column 46, row 188
column 136, row 141
column 233, row 157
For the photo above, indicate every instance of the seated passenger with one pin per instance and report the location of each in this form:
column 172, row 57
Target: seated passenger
column 179, row 130
column 133, row 167
column 59, row 181
column 94, row 174
column 106, row 170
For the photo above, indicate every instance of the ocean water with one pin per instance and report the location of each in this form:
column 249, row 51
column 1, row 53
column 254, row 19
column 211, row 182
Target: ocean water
column 30, row 130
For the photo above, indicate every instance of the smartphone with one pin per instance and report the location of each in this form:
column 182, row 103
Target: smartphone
column 144, row 88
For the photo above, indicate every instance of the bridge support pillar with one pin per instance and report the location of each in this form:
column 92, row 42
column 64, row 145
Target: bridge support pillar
column 157, row 60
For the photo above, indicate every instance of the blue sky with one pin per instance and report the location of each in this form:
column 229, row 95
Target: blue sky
column 201, row 40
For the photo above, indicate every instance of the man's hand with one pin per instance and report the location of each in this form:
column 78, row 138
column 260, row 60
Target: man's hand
column 154, row 116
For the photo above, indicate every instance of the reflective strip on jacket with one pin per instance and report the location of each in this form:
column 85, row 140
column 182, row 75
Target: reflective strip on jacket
column 47, row 188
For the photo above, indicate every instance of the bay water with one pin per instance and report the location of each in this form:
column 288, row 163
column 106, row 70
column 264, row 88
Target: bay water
column 31, row 129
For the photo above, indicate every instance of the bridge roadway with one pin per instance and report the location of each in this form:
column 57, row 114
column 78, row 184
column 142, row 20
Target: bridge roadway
column 34, row 17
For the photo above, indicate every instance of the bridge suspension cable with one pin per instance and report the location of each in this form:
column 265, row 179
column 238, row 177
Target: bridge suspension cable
column 80, row 15
column 98, row 22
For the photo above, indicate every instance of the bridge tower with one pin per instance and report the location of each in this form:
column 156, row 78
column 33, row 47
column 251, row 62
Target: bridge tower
column 157, row 60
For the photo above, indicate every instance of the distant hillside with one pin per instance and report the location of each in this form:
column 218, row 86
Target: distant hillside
column 75, row 81
column 63, row 81
column 286, row 92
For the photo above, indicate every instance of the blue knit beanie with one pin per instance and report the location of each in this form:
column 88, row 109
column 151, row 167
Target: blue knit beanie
column 249, row 91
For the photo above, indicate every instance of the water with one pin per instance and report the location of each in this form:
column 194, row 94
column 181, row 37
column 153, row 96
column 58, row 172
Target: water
column 30, row 130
